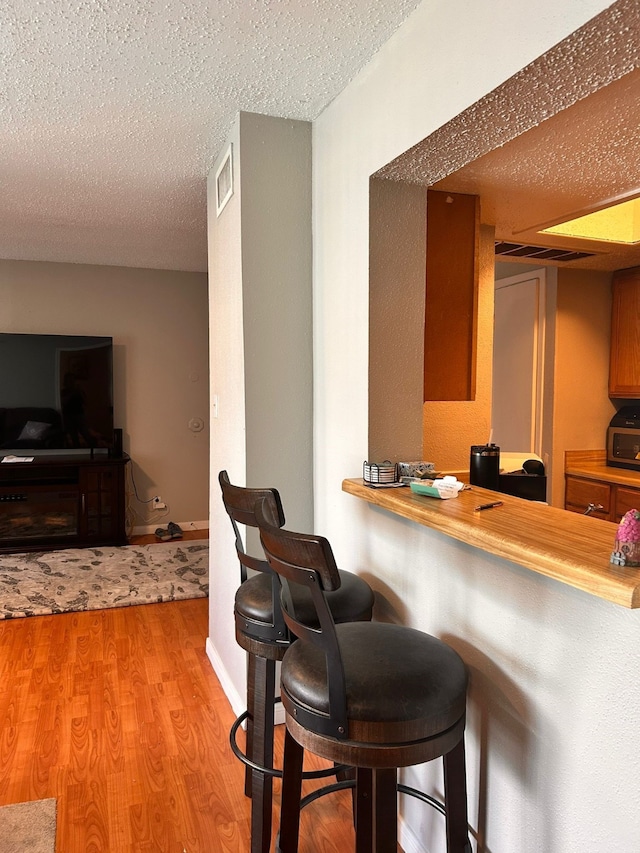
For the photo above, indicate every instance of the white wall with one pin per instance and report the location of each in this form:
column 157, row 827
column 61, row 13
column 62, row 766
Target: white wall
column 261, row 353
column 228, row 451
column 158, row 321
column 554, row 710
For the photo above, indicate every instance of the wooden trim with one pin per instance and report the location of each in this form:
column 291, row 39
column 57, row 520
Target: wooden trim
column 577, row 457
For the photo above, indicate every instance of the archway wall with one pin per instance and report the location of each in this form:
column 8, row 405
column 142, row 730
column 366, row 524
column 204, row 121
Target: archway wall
column 553, row 699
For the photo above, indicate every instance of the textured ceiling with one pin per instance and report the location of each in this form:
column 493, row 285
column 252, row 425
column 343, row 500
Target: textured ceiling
column 556, row 139
column 585, row 155
column 113, row 111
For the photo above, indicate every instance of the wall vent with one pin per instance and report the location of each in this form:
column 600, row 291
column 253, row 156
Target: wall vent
column 541, row 253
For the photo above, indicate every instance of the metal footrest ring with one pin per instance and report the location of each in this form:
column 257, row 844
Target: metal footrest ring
column 350, row 783
column 273, row 771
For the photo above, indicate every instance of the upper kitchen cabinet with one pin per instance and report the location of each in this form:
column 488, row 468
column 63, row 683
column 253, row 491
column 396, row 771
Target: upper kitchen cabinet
column 451, row 315
column 624, row 365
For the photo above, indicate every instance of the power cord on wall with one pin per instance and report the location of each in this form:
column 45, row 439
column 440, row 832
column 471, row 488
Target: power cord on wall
column 132, row 515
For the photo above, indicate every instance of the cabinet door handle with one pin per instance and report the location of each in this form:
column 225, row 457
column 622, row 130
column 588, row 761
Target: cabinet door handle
column 82, row 501
column 593, row 508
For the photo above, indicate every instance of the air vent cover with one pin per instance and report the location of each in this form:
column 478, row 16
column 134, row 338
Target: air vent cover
column 541, row 253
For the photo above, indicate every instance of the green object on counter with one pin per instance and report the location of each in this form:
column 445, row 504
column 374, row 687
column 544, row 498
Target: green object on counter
column 446, row 488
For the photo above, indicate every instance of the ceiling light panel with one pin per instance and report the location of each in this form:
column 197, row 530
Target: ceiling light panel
column 619, row 223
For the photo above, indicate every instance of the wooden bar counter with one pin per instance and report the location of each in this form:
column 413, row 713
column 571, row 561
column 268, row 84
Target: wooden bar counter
column 573, row 549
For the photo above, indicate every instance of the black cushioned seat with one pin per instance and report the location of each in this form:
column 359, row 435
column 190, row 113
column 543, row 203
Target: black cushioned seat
column 262, row 632
column 372, row 695
column 424, row 681
column 352, row 602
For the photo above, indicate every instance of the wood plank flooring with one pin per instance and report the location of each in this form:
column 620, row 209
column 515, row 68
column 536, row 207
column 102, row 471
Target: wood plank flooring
column 119, row 715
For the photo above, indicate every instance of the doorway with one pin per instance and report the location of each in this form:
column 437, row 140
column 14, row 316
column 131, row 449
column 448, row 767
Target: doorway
column 517, row 402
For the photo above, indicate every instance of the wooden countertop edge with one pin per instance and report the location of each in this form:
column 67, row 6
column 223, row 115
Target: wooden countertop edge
column 606, row 474
column 565, row 546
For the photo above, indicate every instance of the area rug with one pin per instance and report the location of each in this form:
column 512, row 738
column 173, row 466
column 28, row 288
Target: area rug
column 28, row 826
column 36, row 584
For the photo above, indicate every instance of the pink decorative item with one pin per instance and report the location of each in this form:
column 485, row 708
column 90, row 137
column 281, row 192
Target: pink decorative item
column 627, row 545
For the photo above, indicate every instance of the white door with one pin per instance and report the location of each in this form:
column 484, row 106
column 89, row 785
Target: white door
column 518, row 362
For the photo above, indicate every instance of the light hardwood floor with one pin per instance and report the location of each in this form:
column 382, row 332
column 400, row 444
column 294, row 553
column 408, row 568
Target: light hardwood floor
column 119, row 715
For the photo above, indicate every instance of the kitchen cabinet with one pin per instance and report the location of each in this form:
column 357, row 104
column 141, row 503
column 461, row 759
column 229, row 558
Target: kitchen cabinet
column 610, row 500
column 589, row 480
column 581, row 493
column 451, row 296
column 624, row 363
column 625, row 499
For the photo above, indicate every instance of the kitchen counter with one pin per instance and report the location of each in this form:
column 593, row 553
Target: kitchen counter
column 593, row 464
column 573, row 549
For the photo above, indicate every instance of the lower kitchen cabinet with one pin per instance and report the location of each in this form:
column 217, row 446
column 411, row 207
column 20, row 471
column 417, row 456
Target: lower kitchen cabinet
column 609, row 501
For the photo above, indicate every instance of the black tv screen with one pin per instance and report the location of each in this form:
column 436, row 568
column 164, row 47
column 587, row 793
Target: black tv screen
column 56, row 393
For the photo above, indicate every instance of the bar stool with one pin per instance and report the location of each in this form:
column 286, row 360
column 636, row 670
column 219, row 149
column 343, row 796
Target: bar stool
column 262, row 632
column 372, row 695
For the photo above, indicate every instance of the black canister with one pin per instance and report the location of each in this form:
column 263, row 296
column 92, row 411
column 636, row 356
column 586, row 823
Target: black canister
column 484, row 466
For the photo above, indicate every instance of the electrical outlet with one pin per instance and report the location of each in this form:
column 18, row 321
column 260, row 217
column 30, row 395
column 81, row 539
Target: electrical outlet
column 158, row 503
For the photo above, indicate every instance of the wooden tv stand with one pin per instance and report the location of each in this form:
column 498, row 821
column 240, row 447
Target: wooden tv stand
column 62, row 502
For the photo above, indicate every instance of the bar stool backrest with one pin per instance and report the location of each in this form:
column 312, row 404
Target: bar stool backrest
column 240, row 503
column 307, row 560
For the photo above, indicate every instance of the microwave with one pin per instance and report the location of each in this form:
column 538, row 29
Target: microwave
column 623, row 438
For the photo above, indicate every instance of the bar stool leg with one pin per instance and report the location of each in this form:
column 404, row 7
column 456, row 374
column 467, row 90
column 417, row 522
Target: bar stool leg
column 386, row 811
column 262, row 753
column 376, row 811
column 363, row 805
column 251, row 713
column 291, row 794
column 455, row 799
column 348, row 774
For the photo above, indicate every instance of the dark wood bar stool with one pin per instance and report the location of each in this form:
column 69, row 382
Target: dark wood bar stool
column 372, row 695
column 262, row 632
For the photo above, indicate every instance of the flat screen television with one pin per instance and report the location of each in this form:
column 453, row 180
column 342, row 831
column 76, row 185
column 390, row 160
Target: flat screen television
column 56, row 394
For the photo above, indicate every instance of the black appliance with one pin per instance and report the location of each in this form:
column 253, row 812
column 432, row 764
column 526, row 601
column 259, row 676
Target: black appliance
column 530, row 482
column 623, row 438
column 484, row 465
column 56, row 394
column 530, row 486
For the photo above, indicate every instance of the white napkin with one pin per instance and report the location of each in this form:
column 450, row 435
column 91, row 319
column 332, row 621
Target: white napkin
column 448, row 486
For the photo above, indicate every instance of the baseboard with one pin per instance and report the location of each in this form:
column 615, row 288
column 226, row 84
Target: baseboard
column 237, row 702
column 278, row 715
column 407, row 838
column 143, row 529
